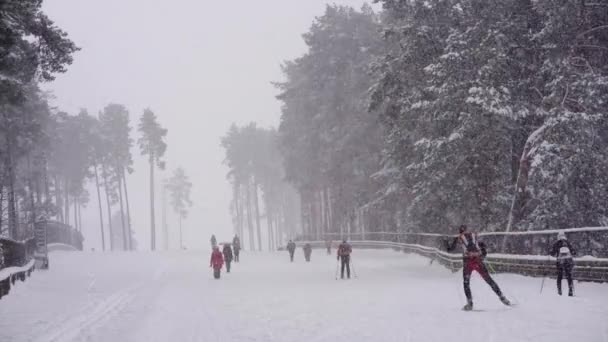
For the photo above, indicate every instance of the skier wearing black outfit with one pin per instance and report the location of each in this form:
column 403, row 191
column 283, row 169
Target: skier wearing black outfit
column 474, row 252
column 563, row 251
column 307, row 251
column 236, row 242
column 227, row 251
column 291, row 247
column 344, row 251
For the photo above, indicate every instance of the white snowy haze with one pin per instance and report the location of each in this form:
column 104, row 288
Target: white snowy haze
column 199, row 65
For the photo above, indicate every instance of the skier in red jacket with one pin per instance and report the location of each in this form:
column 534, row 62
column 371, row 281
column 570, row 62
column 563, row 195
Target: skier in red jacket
column 473, row 254
column 217, row 261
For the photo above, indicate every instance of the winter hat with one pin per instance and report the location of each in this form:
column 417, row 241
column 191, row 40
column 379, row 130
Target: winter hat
column 462, row 228
column 561, row 236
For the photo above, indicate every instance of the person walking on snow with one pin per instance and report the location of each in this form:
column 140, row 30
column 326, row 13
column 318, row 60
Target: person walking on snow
column 236, row 245
column 217, row 261
column 473, row 254
column 213, row 241
column 291, row 248
column 328, row 246
column 227, row 251
column 344, row 251
column 562, row 250
column 307, row 251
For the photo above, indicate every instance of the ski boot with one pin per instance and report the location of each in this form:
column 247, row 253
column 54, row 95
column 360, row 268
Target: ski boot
column 571, row 293
column 469, row 306
column 505, row 301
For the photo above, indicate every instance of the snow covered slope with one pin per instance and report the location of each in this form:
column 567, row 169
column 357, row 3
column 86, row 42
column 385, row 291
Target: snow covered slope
column 173, row 297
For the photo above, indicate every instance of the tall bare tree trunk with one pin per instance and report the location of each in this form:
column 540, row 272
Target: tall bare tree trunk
column 1, row 208
column 76, row 214
column 249, row 217
column 66, row 195
column 277, row 228
column 242, row 210
column 152, row 223
column 47, row 188
column 257, row 215
column 31, row 190
column 237, row 208
column 181, row 240
column 269, row 224
column 129, row 230
column 13, row 224
column 103, row 238
column 304, row 213
column 80, row 217
column 164, row 219
column 519, row 197
column 105, row 184
column 125, row 245
column 58, row 200
column 328, row 211
column 322, row 214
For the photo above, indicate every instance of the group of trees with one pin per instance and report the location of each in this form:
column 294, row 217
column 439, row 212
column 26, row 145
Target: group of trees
column 432, row 113
column 32, row 50
column 48, row 157
column 256, row 173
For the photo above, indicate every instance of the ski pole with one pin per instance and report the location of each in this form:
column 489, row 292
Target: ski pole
column 337, row 267
column 352, row 265
column 492, row 270
column 542, row 283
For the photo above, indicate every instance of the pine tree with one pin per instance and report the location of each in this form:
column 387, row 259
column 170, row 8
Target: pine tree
column 151, row 143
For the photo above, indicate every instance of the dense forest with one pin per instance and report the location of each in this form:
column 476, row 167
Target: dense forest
column 49, row 159
column 428, row 114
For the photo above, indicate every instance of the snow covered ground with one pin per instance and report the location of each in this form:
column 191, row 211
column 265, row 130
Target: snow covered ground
column 397, row 297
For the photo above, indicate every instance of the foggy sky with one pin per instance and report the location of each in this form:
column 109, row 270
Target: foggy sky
column 199, row 65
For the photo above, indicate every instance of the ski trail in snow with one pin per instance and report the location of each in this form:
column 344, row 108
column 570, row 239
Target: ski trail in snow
column 159, row 297
column 84, row 323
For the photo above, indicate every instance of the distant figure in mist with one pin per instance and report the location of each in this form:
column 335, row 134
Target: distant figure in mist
column 562, row 250
column 227, row 251
column 307, row 251
column 344, row 251
column 473, row 255
column 291, row 248
column 213, row 241
column 328, row 246
column 236, row 245
column 217, row 261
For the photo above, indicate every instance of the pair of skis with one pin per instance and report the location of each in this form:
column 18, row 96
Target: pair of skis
column 351, row 266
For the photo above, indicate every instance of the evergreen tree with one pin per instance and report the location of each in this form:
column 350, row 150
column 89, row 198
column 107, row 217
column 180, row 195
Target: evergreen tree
column 152, row 144
column 179, row 187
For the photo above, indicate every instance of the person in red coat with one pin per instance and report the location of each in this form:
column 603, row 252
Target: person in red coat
column 217, row 261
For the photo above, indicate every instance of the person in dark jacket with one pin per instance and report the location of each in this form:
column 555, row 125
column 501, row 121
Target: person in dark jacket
column 563, row 251
column 328, row 246
column 227, row 251
column 344, row 251
column 291, row 248
column 236, row 245
column 473, row 254
column 307, row 251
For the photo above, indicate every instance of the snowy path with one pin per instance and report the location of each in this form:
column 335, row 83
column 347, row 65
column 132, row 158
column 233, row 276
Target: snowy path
column 172, row 297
